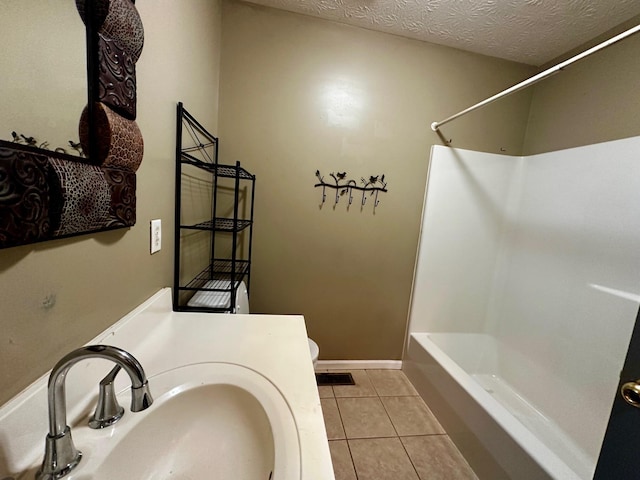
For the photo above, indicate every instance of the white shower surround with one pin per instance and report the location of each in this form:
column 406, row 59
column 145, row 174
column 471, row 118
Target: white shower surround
column 526, row 31
column 539, row 257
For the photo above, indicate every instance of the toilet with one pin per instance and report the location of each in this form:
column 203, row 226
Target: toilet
column 315, row 351
column 221, row 300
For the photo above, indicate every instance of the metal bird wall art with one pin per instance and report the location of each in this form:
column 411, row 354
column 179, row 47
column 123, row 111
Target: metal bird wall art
column 33, row 142
column 343, row 186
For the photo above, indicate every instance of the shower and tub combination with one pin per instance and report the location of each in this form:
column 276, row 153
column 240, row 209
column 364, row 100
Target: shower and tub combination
column 526, row 293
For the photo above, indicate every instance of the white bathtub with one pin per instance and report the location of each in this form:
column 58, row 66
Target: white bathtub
column 500, row 433
column 533, row 261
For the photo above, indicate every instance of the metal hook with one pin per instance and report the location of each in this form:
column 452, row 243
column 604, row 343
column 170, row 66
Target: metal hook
column 350, row 195
column 376, row 202
column 324, row 195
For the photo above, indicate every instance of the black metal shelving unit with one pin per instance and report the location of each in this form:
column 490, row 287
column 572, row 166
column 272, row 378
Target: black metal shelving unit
column 221, row 272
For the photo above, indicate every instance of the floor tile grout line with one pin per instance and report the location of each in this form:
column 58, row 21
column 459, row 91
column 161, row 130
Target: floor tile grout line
column 402, row 443
column 373, row 438
column 386, row 411
column 342, row 424
column 410, row 459
column 345, row 431
column 389, row 417
column 378, row 437
column 346, row 439
column 372, row 384
column 400, row 440
column 353, row 464
column 379, row 396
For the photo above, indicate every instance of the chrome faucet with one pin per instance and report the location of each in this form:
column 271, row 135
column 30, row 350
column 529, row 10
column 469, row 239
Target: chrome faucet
column 61, row 456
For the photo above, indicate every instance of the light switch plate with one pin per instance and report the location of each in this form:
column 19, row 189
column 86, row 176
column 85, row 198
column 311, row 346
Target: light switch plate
column 156, row 235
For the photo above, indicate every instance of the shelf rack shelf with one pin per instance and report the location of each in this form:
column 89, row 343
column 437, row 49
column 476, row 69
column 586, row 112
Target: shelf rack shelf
column 220, row 224
column 199, row 188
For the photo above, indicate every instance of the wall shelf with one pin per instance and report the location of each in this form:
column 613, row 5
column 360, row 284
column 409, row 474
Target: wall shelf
column 220, row 268
column 220, row 224
column 201, row 191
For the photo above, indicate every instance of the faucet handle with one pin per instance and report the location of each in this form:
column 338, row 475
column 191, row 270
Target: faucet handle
column 108, row 411
column 141, row 398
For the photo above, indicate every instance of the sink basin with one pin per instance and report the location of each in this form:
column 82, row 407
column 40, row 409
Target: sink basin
column 226, row 407
column 208, row 420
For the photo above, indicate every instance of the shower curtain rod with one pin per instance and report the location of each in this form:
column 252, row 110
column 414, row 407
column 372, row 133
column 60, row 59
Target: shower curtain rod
column 540, row 76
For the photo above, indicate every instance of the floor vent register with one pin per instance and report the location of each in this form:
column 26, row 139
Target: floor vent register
column 331, row 379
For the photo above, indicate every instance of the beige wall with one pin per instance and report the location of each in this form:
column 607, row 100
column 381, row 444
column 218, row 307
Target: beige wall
column 592, row 101
column 299, row 94
column 57, row 295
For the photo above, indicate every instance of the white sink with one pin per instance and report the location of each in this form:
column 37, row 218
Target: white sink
column 208, row 420
column 226, row 406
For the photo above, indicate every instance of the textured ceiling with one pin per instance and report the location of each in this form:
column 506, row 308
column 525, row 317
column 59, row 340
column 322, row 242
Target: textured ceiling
column 526, row 31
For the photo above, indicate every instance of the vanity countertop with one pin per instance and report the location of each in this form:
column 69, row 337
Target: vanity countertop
column 273, row 345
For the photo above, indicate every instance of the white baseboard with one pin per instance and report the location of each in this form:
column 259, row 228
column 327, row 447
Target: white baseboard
column 359, row 365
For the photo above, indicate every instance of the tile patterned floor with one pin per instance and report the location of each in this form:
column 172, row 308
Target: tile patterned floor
column 380, row 429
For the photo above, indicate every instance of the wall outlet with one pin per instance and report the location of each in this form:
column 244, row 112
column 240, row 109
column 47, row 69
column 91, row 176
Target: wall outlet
column 156, row 235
